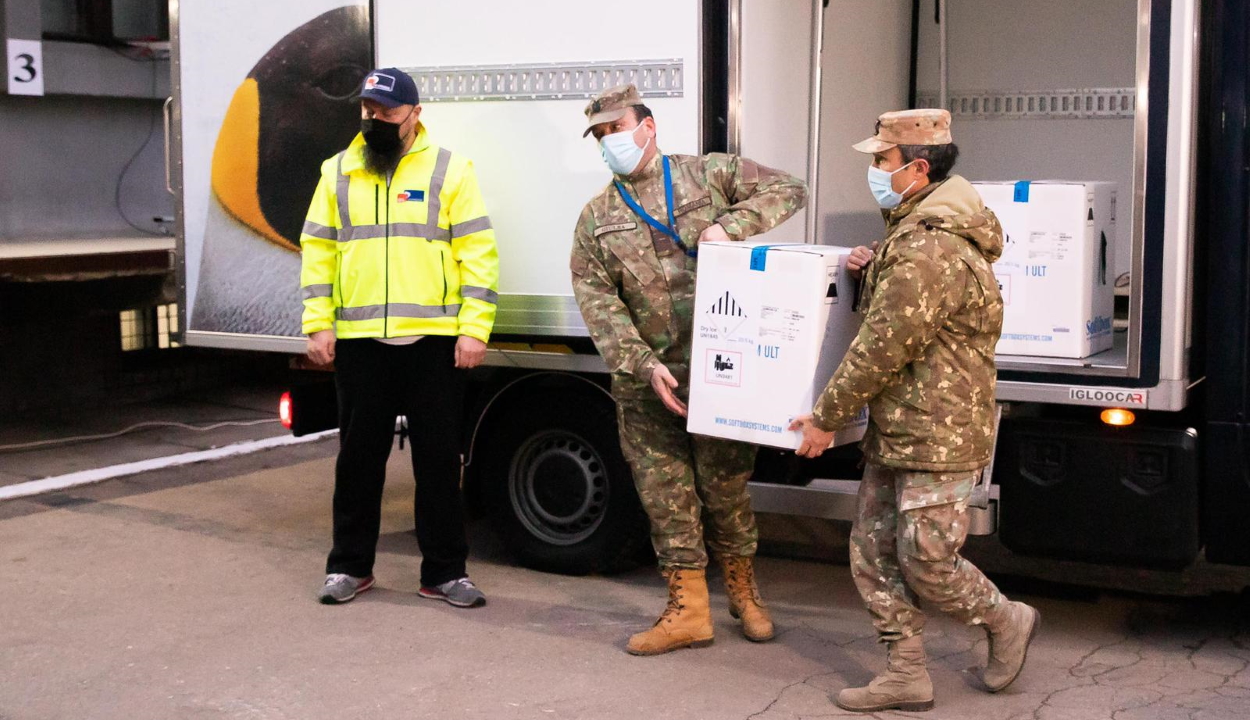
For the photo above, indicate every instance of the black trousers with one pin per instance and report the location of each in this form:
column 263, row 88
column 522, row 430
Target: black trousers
column 377, row 382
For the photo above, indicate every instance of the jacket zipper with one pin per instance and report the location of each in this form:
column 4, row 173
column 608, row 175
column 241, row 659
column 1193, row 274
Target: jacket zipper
column 442, row 263
column 386, row 307
column 338, row 283
column 442, row 269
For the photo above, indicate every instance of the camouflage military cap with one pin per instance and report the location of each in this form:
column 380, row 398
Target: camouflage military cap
column 611, row 105
column 908, row 127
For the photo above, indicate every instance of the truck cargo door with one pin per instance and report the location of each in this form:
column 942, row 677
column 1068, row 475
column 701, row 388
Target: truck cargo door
column 773, row 89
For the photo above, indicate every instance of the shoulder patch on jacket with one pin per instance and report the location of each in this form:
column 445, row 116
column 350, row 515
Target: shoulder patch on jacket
column 693, row 205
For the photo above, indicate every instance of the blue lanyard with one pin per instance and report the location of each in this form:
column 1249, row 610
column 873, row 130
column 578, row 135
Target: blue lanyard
column 670, row 229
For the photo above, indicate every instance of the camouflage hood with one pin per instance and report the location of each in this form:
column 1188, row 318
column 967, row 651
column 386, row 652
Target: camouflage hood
column 955, row 206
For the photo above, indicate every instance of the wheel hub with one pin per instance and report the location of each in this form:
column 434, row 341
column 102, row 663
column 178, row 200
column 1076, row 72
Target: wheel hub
column 558, row 487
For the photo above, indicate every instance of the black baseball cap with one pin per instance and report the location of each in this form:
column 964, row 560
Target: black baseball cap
column 390, row 86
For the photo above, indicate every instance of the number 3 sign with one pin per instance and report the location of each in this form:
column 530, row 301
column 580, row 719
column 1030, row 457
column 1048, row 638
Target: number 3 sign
column 25, row 66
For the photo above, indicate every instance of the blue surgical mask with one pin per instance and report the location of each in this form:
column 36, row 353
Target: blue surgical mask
column 620, row 151
column 881, row 183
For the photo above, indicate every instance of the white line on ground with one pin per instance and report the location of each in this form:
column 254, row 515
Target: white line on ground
column 87, row 477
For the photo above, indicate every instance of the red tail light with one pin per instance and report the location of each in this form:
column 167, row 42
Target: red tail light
column 284, row 410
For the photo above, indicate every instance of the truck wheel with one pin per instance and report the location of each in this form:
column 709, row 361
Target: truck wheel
column 560, row 491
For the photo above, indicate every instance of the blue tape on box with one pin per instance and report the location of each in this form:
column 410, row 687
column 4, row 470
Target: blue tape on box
column 759, row 257
column 1022, row 191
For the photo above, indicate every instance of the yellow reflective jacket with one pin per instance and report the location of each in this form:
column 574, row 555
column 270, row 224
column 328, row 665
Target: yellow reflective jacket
column 416, row 256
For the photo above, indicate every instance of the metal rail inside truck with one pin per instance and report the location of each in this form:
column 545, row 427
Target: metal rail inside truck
column 1148, row 94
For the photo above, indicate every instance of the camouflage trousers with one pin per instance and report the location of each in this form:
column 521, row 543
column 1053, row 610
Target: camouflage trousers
column 905, row 545
column 684, row 480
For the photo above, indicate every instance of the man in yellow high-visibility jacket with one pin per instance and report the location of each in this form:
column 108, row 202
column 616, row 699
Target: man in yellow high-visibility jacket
column 399, row 281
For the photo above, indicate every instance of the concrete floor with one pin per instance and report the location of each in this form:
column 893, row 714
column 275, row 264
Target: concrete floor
column 189, row 593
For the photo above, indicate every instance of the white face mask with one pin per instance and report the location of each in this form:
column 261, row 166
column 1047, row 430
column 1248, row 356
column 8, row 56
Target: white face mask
column 881, row 183
column 620, row 151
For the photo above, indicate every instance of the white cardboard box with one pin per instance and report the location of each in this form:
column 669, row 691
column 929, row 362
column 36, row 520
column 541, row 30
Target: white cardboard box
column 1057, row 272
column 771, row 324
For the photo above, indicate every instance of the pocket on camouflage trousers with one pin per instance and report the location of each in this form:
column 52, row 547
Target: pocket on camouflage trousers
column 925, row 489
column 933, row 534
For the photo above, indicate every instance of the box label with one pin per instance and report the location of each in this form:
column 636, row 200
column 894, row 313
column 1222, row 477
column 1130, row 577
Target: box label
column 781, row 324
column 723, row 367
column 749, row 425
column 1098, row 327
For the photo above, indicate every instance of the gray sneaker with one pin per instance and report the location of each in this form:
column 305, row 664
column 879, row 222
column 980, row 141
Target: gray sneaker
column 340, row 588
column 461, row 593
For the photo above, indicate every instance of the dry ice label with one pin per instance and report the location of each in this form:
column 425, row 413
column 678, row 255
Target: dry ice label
column 725, row 315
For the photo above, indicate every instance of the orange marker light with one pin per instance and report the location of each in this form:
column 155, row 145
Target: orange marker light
column 284, row 410
column 1118, row 417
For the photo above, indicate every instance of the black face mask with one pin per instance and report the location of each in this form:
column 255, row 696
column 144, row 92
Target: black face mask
column 380, row 135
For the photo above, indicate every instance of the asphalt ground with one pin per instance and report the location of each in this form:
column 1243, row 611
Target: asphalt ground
column 190, row 593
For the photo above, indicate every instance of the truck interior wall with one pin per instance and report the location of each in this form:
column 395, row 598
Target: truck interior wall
column 864, row 70
column 1039, row 46
column 94, row 137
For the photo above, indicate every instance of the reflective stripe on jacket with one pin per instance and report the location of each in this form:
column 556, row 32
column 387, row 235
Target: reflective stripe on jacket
column 415, row 256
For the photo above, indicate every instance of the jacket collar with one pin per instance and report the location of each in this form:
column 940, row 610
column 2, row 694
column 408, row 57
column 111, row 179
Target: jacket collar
column 354, row 159
column 893, row 218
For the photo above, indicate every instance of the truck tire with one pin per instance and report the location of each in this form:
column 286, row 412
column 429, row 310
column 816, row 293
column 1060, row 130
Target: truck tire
column 558, row 489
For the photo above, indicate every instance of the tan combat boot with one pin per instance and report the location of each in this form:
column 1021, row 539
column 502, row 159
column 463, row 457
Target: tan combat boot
column 904, row 685
column 744, row 598
column 686, row 622
column 1010, row 628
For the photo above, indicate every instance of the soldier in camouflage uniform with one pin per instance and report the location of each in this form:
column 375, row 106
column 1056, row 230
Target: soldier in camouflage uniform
column 923, row 362
column 633, row 264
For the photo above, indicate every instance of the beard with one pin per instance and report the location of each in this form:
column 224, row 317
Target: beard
column 382, row 163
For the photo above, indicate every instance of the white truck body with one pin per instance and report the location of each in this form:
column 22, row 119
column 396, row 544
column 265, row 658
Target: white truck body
column 1037, row 90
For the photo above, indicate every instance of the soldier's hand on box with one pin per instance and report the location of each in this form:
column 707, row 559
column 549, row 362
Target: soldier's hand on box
column 859, row 259
column 321, row 347
column 713, row 232
column 815, row 441
column 470, row 352
column 663, row 382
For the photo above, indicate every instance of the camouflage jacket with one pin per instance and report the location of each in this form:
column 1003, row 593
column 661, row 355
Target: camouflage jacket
column 635, row 287
column 924, row 357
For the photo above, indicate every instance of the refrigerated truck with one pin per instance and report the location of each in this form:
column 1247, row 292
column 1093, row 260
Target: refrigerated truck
column 1148, row 94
